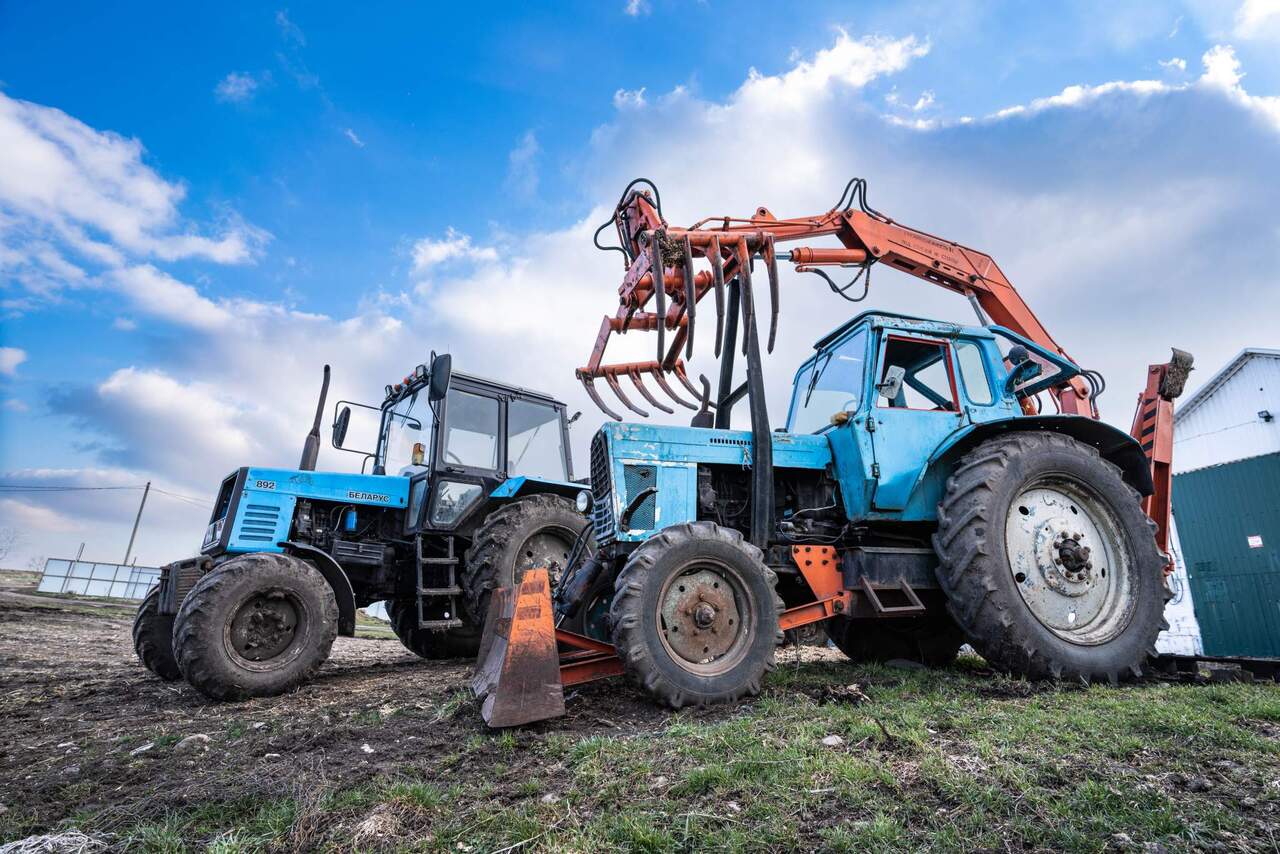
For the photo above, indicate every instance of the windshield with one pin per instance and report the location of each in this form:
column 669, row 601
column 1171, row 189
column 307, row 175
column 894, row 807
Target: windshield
column 831, row 383
column 404, row 425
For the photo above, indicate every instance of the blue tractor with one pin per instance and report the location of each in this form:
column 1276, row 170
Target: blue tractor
column 920, row 494
column 470, row 482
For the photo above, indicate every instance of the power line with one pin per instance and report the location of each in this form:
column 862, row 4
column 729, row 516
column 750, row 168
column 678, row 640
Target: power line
column 16, row 488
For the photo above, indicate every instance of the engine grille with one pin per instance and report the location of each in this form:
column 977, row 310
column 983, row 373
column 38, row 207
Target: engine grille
column 601, row 491
column 259, row 523
column 637, row 479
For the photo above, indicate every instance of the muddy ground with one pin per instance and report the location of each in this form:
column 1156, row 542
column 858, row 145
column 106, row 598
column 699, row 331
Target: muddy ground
column 385, row 750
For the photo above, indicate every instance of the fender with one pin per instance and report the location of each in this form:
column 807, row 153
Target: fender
column 1113, row 444
column 514, row 487
column 337, row 579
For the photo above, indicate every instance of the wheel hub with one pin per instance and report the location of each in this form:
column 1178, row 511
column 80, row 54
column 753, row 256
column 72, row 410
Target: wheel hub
column 1068, row 562
column 700, row 616
column 264, row 626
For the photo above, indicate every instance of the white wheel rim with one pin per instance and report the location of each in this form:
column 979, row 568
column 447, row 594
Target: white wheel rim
column 1068, row 560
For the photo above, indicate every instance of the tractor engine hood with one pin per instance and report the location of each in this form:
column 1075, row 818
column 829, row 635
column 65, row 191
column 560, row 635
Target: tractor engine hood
column 254, row 509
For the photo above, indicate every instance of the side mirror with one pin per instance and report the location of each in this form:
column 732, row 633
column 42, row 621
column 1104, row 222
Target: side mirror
column 340, row 425
column 1023, row 369
column 891, row 386
column 441, row 370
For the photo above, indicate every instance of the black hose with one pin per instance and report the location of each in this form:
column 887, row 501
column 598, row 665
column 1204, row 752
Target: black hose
column 657, row 203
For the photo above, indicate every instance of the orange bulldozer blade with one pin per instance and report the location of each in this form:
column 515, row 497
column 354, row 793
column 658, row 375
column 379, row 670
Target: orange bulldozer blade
column 518, row 669
column 521, row 670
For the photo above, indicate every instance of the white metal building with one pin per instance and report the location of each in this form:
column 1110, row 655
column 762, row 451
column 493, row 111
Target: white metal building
column 1234, row 416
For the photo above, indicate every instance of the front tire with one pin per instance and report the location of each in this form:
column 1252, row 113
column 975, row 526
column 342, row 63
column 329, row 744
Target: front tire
column 695, row 616
column 1049, row 564
column 432, row 645
column 539, row 530
column 257, row 626
column 153, row 638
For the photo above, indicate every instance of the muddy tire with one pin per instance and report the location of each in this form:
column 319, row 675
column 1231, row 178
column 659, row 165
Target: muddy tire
column 463, row 642
column 153, row 638
column 695, row 616
column 933, row 641
column 533, row 531
column 257, row 626
column 1049, row 564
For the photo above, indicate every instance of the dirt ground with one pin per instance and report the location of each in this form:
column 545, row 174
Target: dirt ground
column 85, row 728
column 385, row 751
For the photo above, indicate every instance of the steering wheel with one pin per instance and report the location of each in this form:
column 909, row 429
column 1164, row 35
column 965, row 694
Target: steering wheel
column 448, row 454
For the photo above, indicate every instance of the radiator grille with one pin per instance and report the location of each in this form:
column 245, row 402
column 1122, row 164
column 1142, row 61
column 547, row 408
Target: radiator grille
column 259, row 523
column 601, row 491
column 637, row 479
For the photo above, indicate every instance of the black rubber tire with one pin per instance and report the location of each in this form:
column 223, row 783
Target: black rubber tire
column 931, row 640
column 153, row 638
column 494, row 558
column 634, row 615
column 463, row 642
column 976, row 575
column 202, row 626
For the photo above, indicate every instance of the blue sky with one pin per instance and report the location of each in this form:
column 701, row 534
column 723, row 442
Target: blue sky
column 199, row 206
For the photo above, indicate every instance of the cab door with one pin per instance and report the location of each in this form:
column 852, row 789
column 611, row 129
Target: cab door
column 921, row 413
column 469, row 443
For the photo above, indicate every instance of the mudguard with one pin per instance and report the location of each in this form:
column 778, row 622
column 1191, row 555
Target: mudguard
column 337, row 579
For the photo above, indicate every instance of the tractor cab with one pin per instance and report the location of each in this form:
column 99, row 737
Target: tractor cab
column 461, row 440
column 891, row 391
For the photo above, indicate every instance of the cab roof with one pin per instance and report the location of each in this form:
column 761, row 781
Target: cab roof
column 907, row 321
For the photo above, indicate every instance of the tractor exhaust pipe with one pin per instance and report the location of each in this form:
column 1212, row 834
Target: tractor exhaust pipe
column 311, row 447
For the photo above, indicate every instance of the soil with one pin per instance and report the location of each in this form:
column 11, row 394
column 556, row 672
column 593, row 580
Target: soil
column 79, row 710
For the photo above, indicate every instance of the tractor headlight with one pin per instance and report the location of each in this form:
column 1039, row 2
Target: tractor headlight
column 583, row 501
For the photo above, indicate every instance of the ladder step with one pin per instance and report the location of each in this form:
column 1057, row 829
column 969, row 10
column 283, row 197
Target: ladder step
column 454, row 623
column 440, row 561
column 440, row 591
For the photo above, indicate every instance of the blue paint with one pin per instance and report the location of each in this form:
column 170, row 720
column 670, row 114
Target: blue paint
column 514, row 486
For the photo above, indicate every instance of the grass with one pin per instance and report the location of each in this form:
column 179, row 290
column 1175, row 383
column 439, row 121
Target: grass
column 952, row 760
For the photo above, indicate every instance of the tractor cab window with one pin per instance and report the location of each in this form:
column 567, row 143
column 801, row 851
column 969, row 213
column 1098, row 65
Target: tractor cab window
column 973, row 370
column 926, row 383
column 471, row 431
column 404, row 425
column 831, row 383
column 535, row 444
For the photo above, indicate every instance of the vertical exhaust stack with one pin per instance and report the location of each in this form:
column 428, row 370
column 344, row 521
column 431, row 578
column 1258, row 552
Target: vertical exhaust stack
column 311, row 447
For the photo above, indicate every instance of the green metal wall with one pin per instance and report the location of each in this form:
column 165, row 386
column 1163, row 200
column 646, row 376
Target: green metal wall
column 1235, row 588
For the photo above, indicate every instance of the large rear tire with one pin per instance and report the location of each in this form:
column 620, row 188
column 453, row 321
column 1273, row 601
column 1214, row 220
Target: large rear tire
column 257, row 626
column 539, row 530
column 153, row 638
column 933, row 640
column 433, row 645
column 695, row 616
column 1049, row 564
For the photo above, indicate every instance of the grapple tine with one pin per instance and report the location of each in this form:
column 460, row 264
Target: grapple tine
column 644, row 391
column 684, row 380
column 659, row 288
column 771, row 262
column 748, row 297
column 662, row 383
column 717, row 280
column 690, row 295
column 595, row 397
column 617, row 389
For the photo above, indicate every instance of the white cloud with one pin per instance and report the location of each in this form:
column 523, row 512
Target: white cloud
column 33, row 517
column 124, row 324
column 13, row 404
column 238, row 87
column 429, row 253
column 10, row 358
column 1255, row 18
column 522, row 166
column 849, row 62
column 1174, row 63
column 290, row 31
column 636, row 8
column 351, row 135
column 1222, row 71
column 160, row 295
column 628, row 98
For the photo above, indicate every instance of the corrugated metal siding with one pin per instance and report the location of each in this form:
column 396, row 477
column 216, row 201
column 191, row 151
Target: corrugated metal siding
column 1235, row 588
column 1224, row 426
